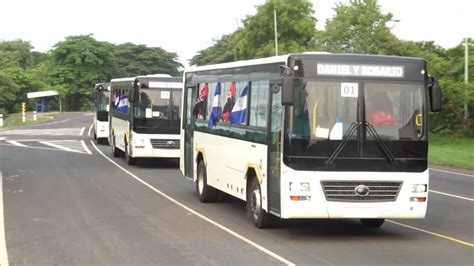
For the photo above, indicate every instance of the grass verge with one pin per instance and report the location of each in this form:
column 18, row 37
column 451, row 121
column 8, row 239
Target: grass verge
column 14, row 120
column 458, row 152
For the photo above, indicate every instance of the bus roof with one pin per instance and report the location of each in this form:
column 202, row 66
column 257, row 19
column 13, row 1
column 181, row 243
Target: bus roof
column 123, row 79
column 284, row 58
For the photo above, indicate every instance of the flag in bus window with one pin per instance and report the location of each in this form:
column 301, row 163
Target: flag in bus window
column 216, row 109
column 123, row 104
column 201, row 102
column 116, row 98
column 229, row 103
column 239, row 112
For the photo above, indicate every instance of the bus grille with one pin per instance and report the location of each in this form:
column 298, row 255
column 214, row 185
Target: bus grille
column 165, row 143
column 361, row 191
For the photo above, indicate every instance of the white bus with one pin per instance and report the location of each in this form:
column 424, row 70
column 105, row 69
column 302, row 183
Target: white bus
column 145, row 117
column 312, row 135
column 100, row 97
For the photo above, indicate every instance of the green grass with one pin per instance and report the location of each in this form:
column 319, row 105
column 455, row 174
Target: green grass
column 452, row 151
column 14, row 120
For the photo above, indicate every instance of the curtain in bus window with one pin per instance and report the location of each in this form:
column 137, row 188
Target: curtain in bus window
column 229, row 103
column 201, row 102
column 239, row 112
column 215, row 112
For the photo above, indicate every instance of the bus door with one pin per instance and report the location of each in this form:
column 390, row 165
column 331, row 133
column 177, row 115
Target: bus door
column 274, row 148
column 190, row 96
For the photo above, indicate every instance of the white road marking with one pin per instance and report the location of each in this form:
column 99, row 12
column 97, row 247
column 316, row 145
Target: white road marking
column 90, row 128
column 32, row 147
column 85, row 147
column 451, row 195
column 16, row 143
column 450, row 172
column 433, row 234
column 43, row 131
column 52, row 123
column 3, row 242
column 216, row 224
column 82, row 131
column 48, row 143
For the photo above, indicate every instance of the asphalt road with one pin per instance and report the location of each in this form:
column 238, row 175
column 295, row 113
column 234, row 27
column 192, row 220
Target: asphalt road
column 67, row 201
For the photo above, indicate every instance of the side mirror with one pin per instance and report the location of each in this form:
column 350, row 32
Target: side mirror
column 131, row 95
column 94, row 96
column 435, row 95
column 287, row 84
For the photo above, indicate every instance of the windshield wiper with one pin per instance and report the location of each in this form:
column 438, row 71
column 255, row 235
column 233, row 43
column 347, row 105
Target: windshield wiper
column 380, row 142
column 349, row 133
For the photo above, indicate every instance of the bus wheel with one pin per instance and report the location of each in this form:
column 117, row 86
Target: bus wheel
column 205, row 192
column 95, row 135
column 130, row 160
column 372, row 222
column 115, row 151
column 254, row 208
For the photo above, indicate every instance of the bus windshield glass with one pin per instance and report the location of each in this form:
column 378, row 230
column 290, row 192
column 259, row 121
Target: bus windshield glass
column 156, row 109
column 323, row 111
column 102, row 104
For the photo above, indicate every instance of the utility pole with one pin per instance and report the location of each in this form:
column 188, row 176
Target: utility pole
column 466, row 77
column 276, row 30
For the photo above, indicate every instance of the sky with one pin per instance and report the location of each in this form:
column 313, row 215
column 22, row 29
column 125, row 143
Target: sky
column 187, row 26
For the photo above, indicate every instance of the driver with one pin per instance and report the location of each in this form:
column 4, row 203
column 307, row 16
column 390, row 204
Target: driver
column 380, row 110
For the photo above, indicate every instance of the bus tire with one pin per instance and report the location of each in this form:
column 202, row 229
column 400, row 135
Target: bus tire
column 129, row 159
column 373, row 223
column 115, row 151
column 95, row 135
column 259, row 217
column 205, row 192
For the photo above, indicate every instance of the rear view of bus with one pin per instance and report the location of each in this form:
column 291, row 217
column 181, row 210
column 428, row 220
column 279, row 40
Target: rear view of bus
column 100, row 97
column 145, row 117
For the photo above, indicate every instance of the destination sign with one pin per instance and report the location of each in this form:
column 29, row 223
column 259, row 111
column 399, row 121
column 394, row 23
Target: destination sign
column 361, row 70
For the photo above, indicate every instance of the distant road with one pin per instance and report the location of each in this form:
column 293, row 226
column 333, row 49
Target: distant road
column 68, row 201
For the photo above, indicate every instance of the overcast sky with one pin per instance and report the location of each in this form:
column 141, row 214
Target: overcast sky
column 187, row 26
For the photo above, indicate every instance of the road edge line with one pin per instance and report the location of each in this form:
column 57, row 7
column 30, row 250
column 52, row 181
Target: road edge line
column 451, row 172
column 451, row 195
column 216, row 224
column 433, row 233
column 90, row 128
column 3, row 240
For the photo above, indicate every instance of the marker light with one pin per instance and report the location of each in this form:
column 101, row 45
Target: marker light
column 418, row 188
column 418, row 199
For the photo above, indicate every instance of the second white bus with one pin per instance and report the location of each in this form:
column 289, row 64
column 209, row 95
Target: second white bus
column 145, row 117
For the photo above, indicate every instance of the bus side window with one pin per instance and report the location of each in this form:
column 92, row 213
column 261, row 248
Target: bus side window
column 199, row 110
column 259, row 103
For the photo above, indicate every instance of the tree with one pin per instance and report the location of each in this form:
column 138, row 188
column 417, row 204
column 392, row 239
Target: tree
column 15, row 53
column 76, row 64
column 134, row 60
column 359, row 27
column 220, row 52
column 256, row 38
column 8, row 92
column 295, row 24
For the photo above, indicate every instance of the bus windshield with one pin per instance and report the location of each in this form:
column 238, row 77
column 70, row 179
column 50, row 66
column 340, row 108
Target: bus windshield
column 101, row 105
column 157, row 108
column 322, row 111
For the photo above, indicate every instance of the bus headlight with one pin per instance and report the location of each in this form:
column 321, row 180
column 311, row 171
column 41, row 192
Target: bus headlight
column 418, row 188
column 139, row 143
column 299, row 186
